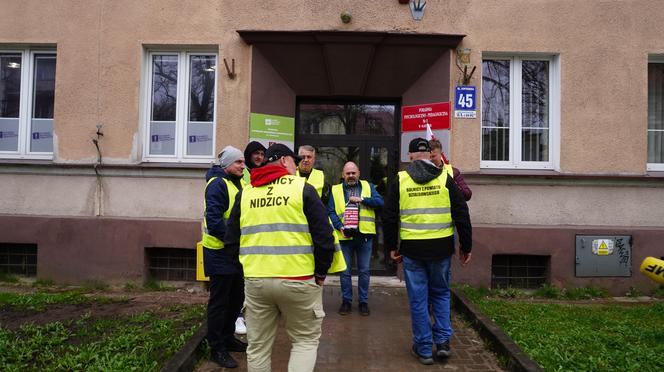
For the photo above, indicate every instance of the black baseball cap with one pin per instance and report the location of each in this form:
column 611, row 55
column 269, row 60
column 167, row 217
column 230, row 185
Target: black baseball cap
column 278, row 150
column 419, row 145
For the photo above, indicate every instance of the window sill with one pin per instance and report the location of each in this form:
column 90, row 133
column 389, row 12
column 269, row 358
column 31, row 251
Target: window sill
column 4, row 161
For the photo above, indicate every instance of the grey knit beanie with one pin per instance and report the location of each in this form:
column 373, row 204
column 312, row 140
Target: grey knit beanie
column 229, row 155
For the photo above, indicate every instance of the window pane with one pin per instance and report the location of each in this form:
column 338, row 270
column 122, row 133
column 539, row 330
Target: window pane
column 535, row 145
column 347, row 119
column 199, row 139
column 332, row 160
column 656, row 96
column 164, row 87
column 162, row 138
column 535, row 94
column 495, row 144
column 495, row 93
column 201, row 88
column 10, row 85
column 8, row 134
column 655, row 113
column 495, row 109
column 656, row 146
column 44, row 87
column 41, row 139
column 41, row 130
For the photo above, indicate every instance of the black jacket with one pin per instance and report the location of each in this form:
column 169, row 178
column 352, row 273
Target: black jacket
column 218, row 261
column 423, row 171
column 319, row 228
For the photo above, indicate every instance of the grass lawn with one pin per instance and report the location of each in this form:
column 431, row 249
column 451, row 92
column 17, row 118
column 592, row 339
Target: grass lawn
column 562, row 336
column 92, row 340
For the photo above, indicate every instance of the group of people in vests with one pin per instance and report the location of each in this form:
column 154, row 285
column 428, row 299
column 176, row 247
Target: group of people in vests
column 269, row 242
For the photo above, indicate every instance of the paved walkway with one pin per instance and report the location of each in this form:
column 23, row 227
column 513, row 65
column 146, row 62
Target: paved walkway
column 379, row 342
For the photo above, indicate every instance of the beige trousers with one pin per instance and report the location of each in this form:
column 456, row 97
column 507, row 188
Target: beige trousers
column 300, row 304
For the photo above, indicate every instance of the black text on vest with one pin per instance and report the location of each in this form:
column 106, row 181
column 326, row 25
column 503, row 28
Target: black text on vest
column 269, row 201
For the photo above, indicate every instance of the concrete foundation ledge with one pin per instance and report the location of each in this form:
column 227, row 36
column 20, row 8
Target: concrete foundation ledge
column 185, row 360
column 500, row 342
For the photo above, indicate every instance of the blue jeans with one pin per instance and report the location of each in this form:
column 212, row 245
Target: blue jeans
column 362, row 247
column 428, row 282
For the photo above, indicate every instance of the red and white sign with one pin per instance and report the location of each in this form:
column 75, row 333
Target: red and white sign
column 415, row 118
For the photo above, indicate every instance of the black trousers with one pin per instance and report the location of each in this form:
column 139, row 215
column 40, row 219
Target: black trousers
column 226, row 299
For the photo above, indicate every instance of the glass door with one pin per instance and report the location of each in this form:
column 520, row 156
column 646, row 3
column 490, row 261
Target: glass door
column 361, row 132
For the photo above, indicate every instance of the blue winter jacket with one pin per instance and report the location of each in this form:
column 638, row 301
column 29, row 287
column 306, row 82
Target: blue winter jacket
column 374, row 202
column 218, row 261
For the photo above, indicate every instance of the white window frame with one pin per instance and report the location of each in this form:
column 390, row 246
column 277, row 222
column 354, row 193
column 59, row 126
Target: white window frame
column 657, row 167
column 516, row 110
column 26, row 104
column 181, row 111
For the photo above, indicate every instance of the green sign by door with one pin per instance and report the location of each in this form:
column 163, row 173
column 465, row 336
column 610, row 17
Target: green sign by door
column 269, row 129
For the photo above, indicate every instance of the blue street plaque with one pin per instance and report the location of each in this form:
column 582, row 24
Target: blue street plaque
column 464, row 102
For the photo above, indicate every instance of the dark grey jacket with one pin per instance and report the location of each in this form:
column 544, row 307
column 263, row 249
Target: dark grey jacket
column 423, row 171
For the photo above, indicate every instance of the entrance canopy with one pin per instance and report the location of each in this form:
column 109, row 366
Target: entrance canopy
column 340, row 63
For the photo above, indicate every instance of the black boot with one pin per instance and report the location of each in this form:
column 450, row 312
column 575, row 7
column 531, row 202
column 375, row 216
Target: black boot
column 236, row 345
column 223, row 358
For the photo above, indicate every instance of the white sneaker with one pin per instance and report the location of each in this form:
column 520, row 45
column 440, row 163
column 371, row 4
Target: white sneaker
column 240, row 328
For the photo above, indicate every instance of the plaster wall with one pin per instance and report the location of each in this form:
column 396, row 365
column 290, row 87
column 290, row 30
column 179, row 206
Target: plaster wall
column 47, row 195
column 567, row 205
column 603, row 48
column 154, row 197
column 170, row 197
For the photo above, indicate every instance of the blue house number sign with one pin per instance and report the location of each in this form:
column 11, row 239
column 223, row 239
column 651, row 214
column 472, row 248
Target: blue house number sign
column 464, row 102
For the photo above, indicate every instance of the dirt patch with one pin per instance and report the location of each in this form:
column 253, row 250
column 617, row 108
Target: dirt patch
column 128, row 303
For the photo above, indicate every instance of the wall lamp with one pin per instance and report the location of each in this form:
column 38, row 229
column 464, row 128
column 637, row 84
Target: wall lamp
column 463, row 63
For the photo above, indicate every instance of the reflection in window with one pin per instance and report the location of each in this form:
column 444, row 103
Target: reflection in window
column 10, row 85
column 656, row 113
column 333, row 119
column 201, row 105
column 164, row 87
column 377, row 174
column 495, row 109
column 333, row 159
column 44, row 96
column 535, row 111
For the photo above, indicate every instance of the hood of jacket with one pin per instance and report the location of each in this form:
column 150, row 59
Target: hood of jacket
column 214, row 171
column 252, row 147
column 423, row 171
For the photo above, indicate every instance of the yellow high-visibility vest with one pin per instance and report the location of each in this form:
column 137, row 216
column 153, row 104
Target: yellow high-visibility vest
column 448, row 168
column 338, row 260
column 367, row 215
column 275, row 239
column 209, row 241
column 246, row 177
column 316, row 179
column 424, row 209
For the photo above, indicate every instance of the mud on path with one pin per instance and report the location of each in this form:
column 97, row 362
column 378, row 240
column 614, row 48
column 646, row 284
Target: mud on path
column 124, row 303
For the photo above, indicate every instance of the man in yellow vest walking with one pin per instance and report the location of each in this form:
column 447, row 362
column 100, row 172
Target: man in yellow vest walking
column 363, row 198
column 221, row 264
column 286, row 247
column 422, row 207
column 314, row 177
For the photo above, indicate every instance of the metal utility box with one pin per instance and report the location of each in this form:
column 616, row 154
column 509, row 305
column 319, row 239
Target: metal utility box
column 603, row 255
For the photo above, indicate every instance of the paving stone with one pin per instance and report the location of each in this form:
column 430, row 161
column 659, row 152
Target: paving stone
column 379, row 342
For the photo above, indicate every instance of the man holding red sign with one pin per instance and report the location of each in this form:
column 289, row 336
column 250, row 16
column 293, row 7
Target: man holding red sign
column 352, row 208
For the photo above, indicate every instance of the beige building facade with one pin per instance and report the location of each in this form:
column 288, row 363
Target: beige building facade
column 113, row 110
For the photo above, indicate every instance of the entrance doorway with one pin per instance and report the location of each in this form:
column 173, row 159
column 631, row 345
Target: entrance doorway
column 365, row 132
